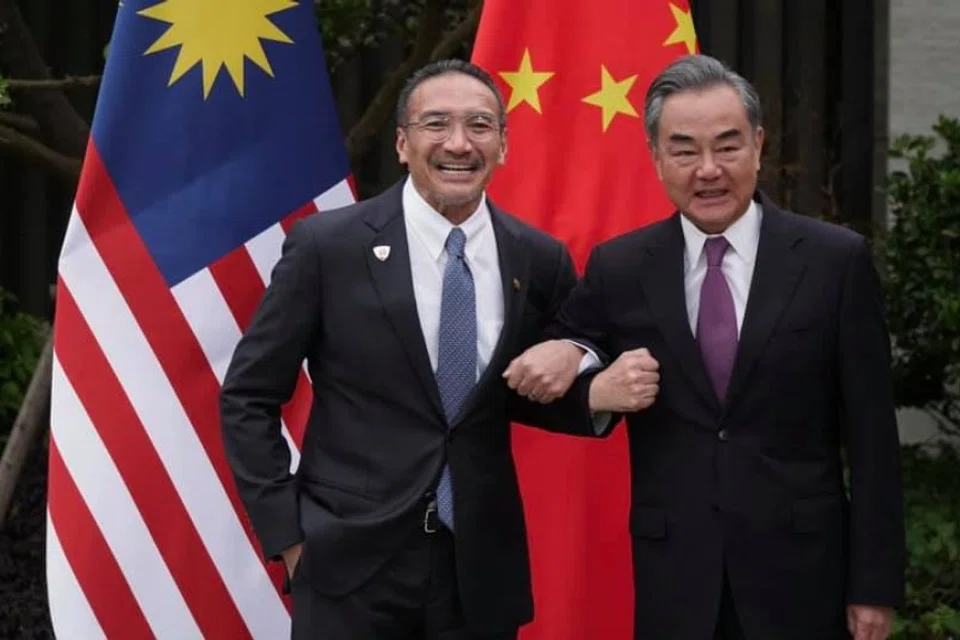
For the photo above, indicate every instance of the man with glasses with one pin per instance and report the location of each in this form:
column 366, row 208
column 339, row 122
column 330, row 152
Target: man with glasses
column 404, row 519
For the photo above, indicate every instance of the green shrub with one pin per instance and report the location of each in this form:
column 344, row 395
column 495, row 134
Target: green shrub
column 21, row 340
column 932, row 500
column 920, row 261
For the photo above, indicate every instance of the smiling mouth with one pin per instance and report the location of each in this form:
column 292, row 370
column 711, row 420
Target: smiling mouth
column 711, row 194
column 456, row 168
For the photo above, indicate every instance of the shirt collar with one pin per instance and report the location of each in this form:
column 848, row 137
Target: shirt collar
column 743, row 235
column 432, row 228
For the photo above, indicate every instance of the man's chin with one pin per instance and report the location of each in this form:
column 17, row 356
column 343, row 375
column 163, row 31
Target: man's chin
column 458, row 199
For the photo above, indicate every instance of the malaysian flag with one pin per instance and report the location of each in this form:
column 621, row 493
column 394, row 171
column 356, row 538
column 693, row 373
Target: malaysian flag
column 215, row 128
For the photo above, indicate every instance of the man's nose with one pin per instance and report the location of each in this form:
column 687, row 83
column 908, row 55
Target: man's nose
column 458, row 142
column 708, row 168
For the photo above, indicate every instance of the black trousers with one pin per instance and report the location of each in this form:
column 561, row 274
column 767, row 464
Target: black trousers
column 728, row 624
column 413, row 596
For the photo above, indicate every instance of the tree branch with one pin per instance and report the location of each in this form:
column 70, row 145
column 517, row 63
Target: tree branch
column 429, row 31
column 65, row 167
column 52, row 83
column 19, row 121
column 458, row 35
column 20, row 57
column 33, row 416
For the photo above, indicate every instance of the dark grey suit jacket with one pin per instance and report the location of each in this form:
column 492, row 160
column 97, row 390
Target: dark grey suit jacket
column 754, row 485
column 377, row 438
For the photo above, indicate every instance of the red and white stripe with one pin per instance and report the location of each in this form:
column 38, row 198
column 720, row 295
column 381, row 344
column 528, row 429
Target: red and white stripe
column 146, row 534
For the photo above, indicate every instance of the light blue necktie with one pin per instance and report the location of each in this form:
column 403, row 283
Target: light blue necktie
column 457, row 353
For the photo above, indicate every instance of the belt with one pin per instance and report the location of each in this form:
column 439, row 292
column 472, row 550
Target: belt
column 431, row 519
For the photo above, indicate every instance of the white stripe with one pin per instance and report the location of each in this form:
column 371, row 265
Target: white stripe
column 105, row 494
column 210, row 318
column 73, row 237
column 339, row 195
column 265, row 249
column 173, row 436
column 70, row 613
column 212, row 322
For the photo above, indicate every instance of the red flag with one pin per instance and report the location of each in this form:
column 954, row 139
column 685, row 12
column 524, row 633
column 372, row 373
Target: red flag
column 574, row 74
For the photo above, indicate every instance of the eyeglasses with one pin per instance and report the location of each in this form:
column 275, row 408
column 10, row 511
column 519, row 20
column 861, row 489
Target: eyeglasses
column 439, row 128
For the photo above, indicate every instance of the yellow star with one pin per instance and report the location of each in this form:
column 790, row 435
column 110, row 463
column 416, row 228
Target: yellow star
column 685, row 32
column 612, row 97
column 525, row 83
column 207, row 36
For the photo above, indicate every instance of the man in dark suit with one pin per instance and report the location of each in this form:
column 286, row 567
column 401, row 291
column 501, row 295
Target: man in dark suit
column 774, row 366
column 404, row 518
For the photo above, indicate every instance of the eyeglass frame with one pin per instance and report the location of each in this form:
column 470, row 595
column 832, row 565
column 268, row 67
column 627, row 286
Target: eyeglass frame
column 497, row 125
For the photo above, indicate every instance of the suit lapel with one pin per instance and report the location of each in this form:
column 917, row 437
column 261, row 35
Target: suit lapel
column 394, row 284
column 663, row 284
column 514, row 260
column 776, row 274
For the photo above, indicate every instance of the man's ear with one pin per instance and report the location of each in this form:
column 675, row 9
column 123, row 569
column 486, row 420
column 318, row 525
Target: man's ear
column 401, row 145
column 657, row 161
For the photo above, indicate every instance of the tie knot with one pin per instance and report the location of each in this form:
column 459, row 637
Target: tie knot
column 455, row 242
column 716, row 247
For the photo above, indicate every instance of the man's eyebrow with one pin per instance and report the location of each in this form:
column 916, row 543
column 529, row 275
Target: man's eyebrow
column 730, row 133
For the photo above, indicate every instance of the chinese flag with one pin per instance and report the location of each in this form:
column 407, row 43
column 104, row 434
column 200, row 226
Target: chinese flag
column 574, row 74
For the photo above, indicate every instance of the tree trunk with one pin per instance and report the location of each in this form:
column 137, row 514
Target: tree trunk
column 34, row 414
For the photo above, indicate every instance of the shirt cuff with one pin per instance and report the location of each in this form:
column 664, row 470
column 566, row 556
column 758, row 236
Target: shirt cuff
column 589, row 361
column 601, row 422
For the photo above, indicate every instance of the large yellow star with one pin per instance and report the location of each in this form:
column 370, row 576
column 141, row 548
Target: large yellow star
column 685, row 32
column 214, row 37
column 525, row 83
column 612, row 97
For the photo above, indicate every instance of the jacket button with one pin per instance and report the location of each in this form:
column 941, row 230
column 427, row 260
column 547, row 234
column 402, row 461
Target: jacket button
column 722, row 435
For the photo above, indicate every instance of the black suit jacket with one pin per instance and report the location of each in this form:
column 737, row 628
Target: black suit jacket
column 377, row 437
column 756, row 482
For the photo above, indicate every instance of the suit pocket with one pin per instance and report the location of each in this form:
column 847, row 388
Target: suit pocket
column 799, row 325
column 817, row 513
column 326, row 484
column 648, row 522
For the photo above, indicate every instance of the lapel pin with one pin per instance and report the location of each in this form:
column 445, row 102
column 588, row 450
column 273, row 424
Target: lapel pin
column 516, row 285
column 382, row 252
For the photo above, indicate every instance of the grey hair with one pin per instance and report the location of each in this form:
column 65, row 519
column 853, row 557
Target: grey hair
column 695, row 73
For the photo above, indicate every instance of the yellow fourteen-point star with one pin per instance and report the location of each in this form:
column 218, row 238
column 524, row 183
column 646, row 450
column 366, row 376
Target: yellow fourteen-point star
column 525, row 83
column 685, row 32
column 216, row 34
column 612, row 97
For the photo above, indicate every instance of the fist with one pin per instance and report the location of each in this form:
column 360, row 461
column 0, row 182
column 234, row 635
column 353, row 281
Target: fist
column 630, row 384
column 545, row 371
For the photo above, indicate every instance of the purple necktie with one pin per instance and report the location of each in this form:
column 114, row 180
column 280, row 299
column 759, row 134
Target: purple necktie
column 717, row 321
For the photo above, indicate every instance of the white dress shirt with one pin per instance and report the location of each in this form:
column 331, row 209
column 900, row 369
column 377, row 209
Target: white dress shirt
column 738, row 262
column 427, row 232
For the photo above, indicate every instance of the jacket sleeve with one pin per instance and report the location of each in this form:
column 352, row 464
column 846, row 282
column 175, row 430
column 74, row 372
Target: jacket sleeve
column 877, row 540
column 261, row 378
column 571, row 413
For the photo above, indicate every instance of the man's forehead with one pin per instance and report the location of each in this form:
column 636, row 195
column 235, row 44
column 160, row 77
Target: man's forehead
column 707, row 104
column 453, row 91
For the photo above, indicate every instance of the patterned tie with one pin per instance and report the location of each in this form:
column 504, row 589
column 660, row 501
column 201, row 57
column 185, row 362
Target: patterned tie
column 717, row 321
column 457, row 353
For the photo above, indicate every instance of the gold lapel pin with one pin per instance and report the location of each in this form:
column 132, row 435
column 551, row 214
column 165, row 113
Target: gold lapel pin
column 516, row 285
